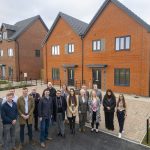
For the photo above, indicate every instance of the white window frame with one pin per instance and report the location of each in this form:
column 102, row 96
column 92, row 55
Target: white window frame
column 55, row 50
column 96, row 45
column 5, row 35
column 10, row 52
column 1, row 53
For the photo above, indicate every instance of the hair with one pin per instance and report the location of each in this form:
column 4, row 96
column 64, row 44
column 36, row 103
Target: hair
column 92, row 95
column 24, row 88
column 123, row 100
column 13, row 88
column 66, row 87
column 73, row 96
column 112, row 94
column 58, row 91
column 9, row 94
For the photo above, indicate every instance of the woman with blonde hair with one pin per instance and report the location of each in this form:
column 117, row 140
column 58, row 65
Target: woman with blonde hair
column 121, row 113
column 94, row 108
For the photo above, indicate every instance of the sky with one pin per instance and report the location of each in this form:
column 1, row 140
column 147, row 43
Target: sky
column 12, row 11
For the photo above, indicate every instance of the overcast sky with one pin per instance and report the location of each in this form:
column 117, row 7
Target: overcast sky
column 12, row 11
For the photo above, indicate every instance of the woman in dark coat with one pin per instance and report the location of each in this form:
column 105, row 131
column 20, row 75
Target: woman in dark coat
column 109, row 103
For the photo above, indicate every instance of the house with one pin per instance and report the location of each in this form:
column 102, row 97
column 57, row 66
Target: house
column 20, row 49
column 113, row 51
column 62, row 51
column 117, row 45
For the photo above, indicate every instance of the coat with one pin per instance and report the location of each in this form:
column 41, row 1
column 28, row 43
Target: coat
column 83, row 107
column 111, row 104
column 97, row 112
column 21, row 109
column 69, row 108
column 55, row 107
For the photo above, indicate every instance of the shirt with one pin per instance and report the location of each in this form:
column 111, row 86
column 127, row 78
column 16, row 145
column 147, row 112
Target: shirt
column 15, row 98
column 26, row 104
column 10, row 104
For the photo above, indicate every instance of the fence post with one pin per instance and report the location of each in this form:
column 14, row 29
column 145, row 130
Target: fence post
column 36, row 82
column 60, row 84
column 147, row 131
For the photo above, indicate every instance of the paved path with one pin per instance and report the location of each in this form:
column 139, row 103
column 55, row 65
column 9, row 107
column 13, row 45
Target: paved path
column 138, row 110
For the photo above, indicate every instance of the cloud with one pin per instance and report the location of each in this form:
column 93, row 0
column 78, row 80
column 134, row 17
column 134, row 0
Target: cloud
column 16, row 10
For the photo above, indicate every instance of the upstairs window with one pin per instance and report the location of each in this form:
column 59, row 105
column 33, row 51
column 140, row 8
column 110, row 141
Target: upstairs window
column 55, row 50
column 4, row 35
column 98, row 45
column 1, row 53
column 122, row 43
column 10, row 52
column 37, row 53
column 69, row 48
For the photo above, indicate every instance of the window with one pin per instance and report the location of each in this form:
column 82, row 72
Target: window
column 1, row 52
column 122, row 43
column 70, row 48
column 55, row 50
column 96, row 45
column 37, row 53
column 55, row 74
column 10, row 52
column 4, row 35
column 122, row 77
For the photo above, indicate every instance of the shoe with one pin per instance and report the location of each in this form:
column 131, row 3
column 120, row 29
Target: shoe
column 92, row 129
column 43, row 145
column 59, row 134
column 123, row 131
column 119, row 135
column 96, row 130
column 63, row 135
column 49, row 138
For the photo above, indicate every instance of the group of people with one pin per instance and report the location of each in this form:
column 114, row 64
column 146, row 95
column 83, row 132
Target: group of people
column 56, row 106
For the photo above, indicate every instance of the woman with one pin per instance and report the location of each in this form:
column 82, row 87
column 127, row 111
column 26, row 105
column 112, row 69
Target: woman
column 64, row 91
column 121, row 113
column 72, row 109
column 83, row 108
column 94, row 108
column 109, row 103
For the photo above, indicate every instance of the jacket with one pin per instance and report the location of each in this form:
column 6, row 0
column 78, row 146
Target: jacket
column 83, row 107
column 21, row 109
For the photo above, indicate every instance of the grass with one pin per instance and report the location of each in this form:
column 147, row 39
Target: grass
column 145, row 139
column 3, row 81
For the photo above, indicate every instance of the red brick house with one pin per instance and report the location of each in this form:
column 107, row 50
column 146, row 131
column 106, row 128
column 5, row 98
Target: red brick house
column 115, row 54
column 20, row 48
column 62, row 50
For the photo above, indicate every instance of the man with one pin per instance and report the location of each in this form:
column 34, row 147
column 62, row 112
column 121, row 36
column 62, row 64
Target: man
column 9, row 115
column 60, row 107
column 25, row 105
column 98, row 92
column 51, row 89
column 45, row 111
column 36, row 97
column 86, row 91
column 15, row 98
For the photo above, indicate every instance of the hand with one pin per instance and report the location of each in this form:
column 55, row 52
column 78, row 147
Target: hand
column 108, row 108
column 27, row 116
column 14, row 122
column 40, row 118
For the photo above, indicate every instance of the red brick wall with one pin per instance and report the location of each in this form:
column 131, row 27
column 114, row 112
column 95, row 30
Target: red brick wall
column 29, row 41
column 112, row 23
column 62, row 35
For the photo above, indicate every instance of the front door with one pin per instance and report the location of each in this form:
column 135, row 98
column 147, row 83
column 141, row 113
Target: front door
column 96, row 73
column 71, row 76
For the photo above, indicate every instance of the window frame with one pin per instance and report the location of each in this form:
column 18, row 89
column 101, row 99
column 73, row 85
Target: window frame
column 55, row 50
column 97, row 50
column 54, row 72
column 37, row 53
column 126, row 81
column 125, row 41
column 1, row 52
column 8, row 52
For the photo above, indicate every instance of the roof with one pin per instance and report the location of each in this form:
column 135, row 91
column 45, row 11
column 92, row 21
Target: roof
column 77, row 25
column 124, row 8
column 21, row 26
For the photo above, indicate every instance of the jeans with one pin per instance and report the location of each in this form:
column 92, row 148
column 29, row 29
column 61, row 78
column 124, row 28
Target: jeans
column 121, row 118
column 94, row 120
column 9, row 130
column 29, row 126
column 44, row 126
